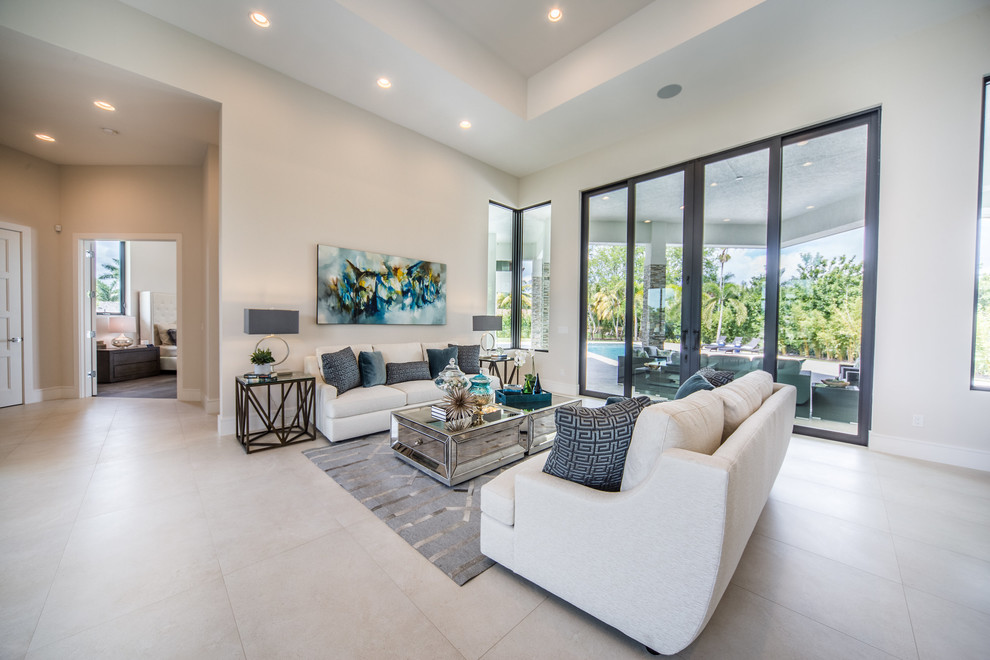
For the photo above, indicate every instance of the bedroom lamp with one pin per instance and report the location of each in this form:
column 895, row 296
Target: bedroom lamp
column 272, row 323
column 487, row 324
column 122, row 324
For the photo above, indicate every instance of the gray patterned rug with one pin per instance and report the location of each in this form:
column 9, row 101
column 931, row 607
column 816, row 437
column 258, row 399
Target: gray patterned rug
column 442, row 523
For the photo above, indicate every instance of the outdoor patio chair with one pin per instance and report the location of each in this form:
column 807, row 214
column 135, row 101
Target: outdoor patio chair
column 750, row 346
column 735, row 346
column 719, row 343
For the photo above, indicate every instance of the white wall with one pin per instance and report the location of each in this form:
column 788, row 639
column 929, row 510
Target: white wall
column 929, row 86
column 298, row 168
column 152, row 267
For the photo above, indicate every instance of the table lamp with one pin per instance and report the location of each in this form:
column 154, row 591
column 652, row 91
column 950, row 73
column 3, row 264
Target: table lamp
column 122, row 324
column 272, row 323
column 487, row 324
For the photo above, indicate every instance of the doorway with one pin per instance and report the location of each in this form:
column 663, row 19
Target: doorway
column 11, row 320
column 759, row 258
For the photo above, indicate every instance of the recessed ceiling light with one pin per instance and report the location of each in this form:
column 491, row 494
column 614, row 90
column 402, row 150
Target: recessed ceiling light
column 808, row 208
column 669, row 91
column 384, row 83
column 260, row 19
column 682, row 207
column 802, row 143
column 739, row 178
column 647, row 222
column 103, row 105
column 465, row 124
column 44, row 138
column 807, row 164
column 727, row 220
column 555, row 15
column 604, row 198
column 714, row 183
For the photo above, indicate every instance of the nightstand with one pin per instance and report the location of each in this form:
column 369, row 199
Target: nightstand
column 116, row 364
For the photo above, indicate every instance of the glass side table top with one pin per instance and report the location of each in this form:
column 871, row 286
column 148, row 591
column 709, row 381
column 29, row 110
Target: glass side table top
column 281, row 377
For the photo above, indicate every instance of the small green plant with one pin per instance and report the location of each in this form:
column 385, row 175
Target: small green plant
column 262, row 356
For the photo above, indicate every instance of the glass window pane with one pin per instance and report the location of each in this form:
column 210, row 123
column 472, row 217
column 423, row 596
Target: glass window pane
column 659, row 218
column 606, row 277
column 500, row 269
column 981, row 341
column 734, row 271
column 109, row 280
column 823, row 203
column 535, row 309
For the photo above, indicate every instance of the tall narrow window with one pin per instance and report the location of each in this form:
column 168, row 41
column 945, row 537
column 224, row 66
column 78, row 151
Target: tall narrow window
column 981, row 331
column 519, row 275
column 110, row 289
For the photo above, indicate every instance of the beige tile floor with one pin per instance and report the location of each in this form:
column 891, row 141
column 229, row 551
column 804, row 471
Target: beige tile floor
column 129, row 529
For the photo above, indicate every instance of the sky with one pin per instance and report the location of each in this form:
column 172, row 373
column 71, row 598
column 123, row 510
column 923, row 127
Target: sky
column 748, row 263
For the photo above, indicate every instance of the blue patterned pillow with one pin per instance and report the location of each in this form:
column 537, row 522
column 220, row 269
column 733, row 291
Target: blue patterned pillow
column 469, row 358
column 591, row 443
column 400, row 372
column 340, row 369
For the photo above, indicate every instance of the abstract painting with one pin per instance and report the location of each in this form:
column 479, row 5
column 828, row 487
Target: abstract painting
column 366, row 287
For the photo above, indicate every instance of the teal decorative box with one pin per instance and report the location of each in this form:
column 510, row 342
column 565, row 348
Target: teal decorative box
column 520, row 400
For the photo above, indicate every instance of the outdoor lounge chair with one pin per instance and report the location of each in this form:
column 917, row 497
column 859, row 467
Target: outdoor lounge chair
column 719, row 343
column 750, row 346
column 734, row 346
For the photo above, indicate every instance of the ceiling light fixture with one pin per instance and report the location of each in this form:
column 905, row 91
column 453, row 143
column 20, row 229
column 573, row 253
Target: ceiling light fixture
column 807, row 164
column 44, row 138
column 808, row 208
column 110, row 131
column 727, row 220
column 103, row 105
column 260, row 19
column 682, row 207
column 802, row 143
column 384, row 83
column 669, row 91
column 646, row 222
column 714, row 183
column 555, row 15
column 605, row 198
column 465, row 124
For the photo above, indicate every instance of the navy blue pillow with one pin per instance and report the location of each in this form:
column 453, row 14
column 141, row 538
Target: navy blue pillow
column 695, row 383
column 440, row 358
column 592, row 443
column 340, row 369
column 371, row 364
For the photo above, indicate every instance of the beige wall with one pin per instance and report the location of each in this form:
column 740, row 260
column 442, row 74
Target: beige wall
column 29, row 197
column 929, row 86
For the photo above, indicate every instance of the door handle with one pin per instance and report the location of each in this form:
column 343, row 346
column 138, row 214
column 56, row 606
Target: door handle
column 14, row 340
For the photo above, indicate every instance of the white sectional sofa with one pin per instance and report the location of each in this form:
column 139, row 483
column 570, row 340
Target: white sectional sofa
column 365, row 410
column 653, row 559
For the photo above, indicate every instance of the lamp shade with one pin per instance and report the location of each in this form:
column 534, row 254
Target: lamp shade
column 487, row 323
column 123, row 324
column 271, row 321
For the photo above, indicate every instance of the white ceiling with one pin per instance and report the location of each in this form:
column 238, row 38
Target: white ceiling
column 536, row 93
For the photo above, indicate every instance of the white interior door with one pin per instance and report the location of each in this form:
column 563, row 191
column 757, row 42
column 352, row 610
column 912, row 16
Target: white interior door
column 11, row 339
column 89, row 318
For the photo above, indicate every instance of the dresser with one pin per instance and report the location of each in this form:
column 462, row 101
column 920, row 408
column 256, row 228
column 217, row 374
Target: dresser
column 117, row 364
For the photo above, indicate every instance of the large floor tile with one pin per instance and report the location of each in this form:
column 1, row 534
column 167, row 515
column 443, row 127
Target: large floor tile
column 32, row 500
column 924, row 473
column 959, row 578
column 859, row 546
column 748, row 627
column 850, row 457
column 48, row 455
column 28, row 563
column 859, row 604
column 946, row 630
column 328, row 598
column 557, row 629
column 843, row 504
column 137, row 481
column 474, row 616
column 264, row 516
column 944, row 501
column 865, row 483
column 197, row 623
column 940, row 530
column 121, row 561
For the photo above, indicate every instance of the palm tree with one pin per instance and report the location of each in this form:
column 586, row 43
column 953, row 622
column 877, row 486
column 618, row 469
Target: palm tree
column 607, row 305
column 108, row 292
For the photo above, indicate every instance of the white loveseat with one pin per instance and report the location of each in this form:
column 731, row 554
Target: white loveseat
column 653, row 559
column 365, row 410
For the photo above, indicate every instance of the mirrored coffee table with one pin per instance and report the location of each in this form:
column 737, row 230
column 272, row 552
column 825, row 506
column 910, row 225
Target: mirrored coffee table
column 541, row 425
column 453, row 456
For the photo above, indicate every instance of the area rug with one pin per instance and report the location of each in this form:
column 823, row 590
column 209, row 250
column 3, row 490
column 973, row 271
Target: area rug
column 443, row 523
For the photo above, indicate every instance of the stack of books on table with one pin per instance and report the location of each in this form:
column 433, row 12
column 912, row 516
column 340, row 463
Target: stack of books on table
column 439, row 413
column 260, row 378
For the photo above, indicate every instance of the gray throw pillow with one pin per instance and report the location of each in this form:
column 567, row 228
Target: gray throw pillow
column 592, row 443
column 469, row 358
column 400, row 372
column 371, row 364
column 695, row 383
column 440, row 358
column 340, row 369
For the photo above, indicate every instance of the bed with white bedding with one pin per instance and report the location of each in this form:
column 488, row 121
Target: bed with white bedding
column 157, row 325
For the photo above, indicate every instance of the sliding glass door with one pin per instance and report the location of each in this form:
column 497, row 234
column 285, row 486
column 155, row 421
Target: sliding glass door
column 758, row 258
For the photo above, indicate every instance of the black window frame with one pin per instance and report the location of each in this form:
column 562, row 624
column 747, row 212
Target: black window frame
column 122, row 245
column 979, row 229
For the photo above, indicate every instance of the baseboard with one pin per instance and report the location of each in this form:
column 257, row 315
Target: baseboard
column 226, row 425
column 976, row 459
column 211, row 406
column 50, row 394
column 189, row 394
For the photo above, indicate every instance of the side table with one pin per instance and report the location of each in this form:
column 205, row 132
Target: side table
column 296, row 429
column 494, row 361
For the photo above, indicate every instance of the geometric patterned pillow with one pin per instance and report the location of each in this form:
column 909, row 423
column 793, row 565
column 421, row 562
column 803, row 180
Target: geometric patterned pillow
column 340, row 369
column 400, row 372
column 717, row 378
column 591, row 443
column 468, row 358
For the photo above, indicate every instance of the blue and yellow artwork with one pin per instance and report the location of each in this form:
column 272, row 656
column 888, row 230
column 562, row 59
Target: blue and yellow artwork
column 366, row 287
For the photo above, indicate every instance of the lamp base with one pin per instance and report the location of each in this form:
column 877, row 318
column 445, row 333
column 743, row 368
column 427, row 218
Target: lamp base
column 122, row 341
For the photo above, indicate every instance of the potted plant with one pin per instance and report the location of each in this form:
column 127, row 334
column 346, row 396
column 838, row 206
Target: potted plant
column 262, row 360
